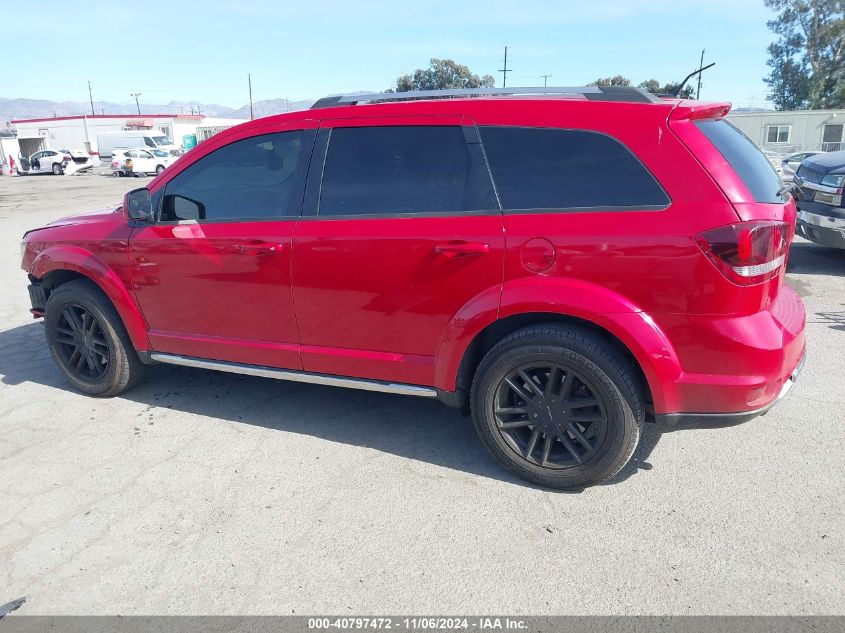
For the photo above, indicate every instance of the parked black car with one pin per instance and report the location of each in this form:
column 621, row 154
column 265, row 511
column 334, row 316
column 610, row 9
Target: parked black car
column 820, row 182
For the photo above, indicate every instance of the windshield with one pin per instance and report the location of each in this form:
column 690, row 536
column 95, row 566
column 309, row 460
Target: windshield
column 162, row 140
column 158, row 152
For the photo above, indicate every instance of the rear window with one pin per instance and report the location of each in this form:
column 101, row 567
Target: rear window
column 543, row 168
column 755, row 171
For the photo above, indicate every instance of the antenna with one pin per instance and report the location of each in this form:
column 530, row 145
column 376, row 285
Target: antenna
column 680, row 87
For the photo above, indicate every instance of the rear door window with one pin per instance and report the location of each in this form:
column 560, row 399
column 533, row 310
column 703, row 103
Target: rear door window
column 397, row 170
column 754, row 169
column 557, row 169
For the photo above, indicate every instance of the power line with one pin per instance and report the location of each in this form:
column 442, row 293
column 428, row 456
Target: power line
column 545, row 80
column 505, row 70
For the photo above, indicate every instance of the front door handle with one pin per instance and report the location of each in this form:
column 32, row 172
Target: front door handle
column 459, row 249
column 259, row 248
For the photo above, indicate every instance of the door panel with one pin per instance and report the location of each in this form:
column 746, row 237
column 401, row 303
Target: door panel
column 374, row 291
column 218, row 286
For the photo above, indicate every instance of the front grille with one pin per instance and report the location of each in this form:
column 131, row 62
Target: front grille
column 810, row 175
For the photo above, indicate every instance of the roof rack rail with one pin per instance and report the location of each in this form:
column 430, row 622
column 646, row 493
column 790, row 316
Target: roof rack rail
column 593, row 93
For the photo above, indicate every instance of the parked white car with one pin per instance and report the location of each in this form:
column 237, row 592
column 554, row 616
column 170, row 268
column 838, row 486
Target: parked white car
column 140, row 161
column 50, row 161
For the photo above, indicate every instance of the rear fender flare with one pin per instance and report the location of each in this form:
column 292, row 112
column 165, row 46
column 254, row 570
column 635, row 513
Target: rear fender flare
column 84, row 262
column 578, row 299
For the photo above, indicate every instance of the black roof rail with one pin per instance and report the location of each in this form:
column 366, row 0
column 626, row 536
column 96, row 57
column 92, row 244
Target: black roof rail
column 593, row 93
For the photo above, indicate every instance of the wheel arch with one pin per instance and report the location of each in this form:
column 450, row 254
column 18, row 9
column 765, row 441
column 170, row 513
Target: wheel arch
column 628, row 330
column 60, row 264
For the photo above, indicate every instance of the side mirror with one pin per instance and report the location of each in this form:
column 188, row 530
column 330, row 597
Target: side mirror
column 138, row 205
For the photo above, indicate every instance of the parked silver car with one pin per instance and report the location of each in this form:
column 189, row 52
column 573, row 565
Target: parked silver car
column 789, row 164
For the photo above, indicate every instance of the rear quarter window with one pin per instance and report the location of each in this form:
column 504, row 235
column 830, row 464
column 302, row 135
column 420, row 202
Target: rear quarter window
column 557, row 169
column 754, row 169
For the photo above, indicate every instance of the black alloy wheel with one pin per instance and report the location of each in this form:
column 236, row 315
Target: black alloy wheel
column 82, row 346
column 550, row 415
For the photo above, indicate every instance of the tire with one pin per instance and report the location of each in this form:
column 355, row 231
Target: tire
column 57, row 169
column 536, row 437
column 20, row 173
column 115, row 174
column 114, row 365
column 159, row 169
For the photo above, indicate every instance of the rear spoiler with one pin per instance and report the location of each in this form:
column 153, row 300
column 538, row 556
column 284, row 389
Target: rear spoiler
column 694, row 110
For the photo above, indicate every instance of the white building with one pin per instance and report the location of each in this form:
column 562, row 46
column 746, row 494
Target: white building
column 793, row 131
column 80, row 132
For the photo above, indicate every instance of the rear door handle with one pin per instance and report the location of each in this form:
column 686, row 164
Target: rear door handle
column 260, row 248
column 462, row 248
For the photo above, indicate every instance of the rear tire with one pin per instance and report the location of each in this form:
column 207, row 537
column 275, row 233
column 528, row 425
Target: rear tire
column 159, row 170
column 88, row 341
column 557, row 406
column 57, row 169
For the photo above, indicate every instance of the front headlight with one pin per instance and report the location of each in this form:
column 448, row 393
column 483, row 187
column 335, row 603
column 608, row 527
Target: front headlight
column 833, row 181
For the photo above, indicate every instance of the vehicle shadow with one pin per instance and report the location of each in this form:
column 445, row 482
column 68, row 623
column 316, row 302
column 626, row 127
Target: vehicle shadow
column 807, row 258
column 413, row 428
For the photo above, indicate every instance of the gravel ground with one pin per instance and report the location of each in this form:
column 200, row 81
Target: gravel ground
column 200, row 492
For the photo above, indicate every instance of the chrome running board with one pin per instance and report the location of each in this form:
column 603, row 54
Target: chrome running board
column 295, row 376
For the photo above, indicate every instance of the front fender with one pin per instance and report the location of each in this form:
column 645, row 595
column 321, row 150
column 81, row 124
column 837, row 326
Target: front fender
column 84, row 262
column 579, row 299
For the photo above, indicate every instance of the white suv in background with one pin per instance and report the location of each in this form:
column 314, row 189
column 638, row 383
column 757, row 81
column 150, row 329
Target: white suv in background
column 143, row 161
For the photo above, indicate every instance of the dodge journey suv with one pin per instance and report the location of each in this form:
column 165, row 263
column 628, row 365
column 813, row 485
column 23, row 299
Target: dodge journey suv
column 563, row 264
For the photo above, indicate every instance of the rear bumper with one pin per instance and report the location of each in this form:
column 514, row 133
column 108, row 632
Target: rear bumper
column 731, row 367
column 679, row 421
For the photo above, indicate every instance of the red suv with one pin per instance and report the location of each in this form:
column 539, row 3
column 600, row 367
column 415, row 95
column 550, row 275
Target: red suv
column 562, row 266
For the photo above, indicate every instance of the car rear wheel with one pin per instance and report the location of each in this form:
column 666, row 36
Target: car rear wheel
column 88, row 341
column 57, row 169
column 557, row 406
column 159, row 169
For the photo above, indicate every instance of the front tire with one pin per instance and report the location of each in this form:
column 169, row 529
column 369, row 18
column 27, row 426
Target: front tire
column 159, row 170
column 557, row 406
column 88, row 341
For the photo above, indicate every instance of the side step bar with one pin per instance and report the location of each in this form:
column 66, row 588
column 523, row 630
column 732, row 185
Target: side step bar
column 296, row 376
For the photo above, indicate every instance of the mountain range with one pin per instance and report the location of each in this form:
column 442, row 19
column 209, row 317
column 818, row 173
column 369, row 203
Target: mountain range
column 12, row 109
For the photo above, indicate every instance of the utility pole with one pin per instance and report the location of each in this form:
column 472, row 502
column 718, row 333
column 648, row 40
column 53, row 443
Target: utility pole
column 700, row 67
column 91, row 97
column 251, row 117
column 136, row 95
column 505, row 70
column 545, row 80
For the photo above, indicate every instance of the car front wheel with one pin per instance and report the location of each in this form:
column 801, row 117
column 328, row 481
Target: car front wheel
column 159, row 169
column 557, row 406
column 88, row 341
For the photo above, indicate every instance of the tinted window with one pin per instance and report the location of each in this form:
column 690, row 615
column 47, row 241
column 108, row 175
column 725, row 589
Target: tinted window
column 403, row 169
column 747, row 161
column 258, row 177
column 539, row 168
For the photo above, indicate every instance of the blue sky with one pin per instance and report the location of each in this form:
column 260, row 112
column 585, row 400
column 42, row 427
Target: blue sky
column 187, row 50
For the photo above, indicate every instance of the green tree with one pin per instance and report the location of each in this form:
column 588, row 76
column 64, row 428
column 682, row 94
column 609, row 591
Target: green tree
column 604, row 82
column 808, row 57
column 654, row 87
column 443, row 74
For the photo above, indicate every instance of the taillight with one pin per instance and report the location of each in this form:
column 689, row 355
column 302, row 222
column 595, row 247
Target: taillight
column 747, row 252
